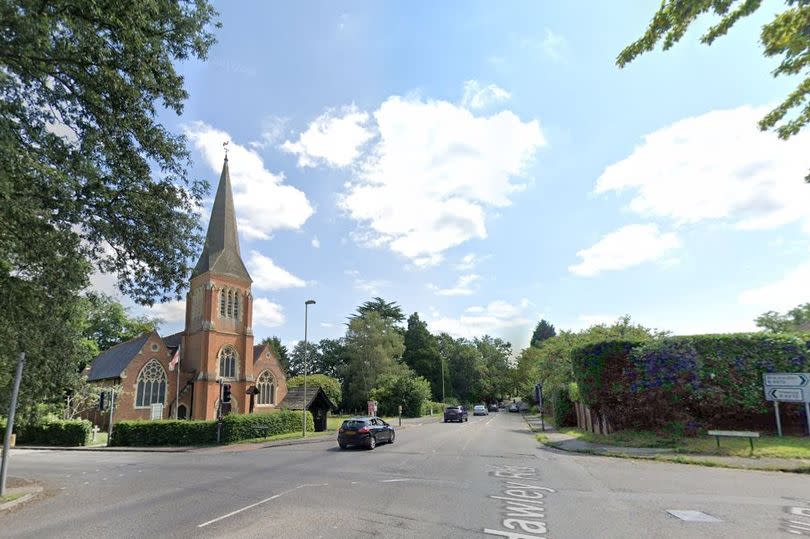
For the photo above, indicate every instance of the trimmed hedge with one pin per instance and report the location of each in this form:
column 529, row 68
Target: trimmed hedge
column 600, row 370
column 235, row 427
column 64, row 433
column 564, row 415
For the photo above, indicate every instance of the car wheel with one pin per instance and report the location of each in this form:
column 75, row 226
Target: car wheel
column 372, row 442
column 343, row 446
column 393, row 435
column 445, row 420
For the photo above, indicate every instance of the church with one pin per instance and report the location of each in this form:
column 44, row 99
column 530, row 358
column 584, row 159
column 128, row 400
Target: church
column 216, row 344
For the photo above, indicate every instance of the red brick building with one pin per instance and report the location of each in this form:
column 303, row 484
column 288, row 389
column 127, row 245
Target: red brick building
column 217, row 343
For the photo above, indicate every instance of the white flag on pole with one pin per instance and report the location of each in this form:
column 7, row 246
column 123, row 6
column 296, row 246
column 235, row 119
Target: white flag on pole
column 175, row 359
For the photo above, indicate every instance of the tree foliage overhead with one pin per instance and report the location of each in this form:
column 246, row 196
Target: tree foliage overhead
column 279, row 350
column 330, row 386
column 796, row 320
column 108, row 323
column 86, row 168
column 542, row 331
column 422, row 354
column 786, row 36
column 388, row 310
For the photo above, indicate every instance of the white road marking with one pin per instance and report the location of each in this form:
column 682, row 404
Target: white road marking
column 692, row 516
column 251, row 506
column 393, row 480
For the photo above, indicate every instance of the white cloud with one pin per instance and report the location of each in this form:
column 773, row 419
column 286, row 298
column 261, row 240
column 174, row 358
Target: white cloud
column 334, row 138
column 264, row 203
column 266, row 313
column 461, row 288
column 370, row 287
column 170, row 312
column 477, row 96
column 717, row 166
column 436, row 168
column 783, row 294
column 316, row 242
column 428, row 261
column 469, row 261
column 551, row 45
column 628, row 246
column 499, row 318
column 327, row 325
column 273, row 128
column 268, row 276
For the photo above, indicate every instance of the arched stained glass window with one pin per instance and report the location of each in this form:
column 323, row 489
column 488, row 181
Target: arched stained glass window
column 151, row 385
column 236, row 304
column 230, row 304
column 222, row 301
column 227, row 362
column 266, row 385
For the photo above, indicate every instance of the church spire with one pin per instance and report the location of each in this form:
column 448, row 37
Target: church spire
column 221, row 251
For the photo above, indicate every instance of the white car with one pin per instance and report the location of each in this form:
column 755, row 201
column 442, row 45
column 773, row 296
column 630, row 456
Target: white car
column 480, row 409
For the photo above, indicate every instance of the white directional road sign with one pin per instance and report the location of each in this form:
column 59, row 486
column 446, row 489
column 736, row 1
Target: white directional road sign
column 799, row 379
column 787, row 386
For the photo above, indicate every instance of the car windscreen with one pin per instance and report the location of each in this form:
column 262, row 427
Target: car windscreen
column 453, row 408
column 354, row 424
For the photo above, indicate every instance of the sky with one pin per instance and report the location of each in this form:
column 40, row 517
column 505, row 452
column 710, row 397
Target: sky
column 489, row 165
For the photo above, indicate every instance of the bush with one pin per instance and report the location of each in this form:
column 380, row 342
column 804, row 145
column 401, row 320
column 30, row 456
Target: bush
column 330, row 386
column 163, row 432
column 564, row 415
column 404, row 389
column 234, row 428
column 437, row 407
column 600, row 370
column 237, row 427
column 65, row 433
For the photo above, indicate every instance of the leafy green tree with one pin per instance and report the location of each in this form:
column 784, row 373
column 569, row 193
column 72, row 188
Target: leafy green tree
column 280, row 351
column 495, row 354
column 787, row 35
column 796, row 320
column 331, row 357
column 465, row 369
column 388, row 311
column 330, row 386
column 542, row 331
column 422, row 354
column 401, row 387
column 373, row 348
column 108, row 323
column 298, row 356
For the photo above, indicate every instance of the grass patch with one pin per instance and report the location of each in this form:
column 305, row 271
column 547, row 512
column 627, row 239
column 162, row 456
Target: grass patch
column 787, row 447
column 277, row 437
column 101, row 439
column 542, row 438
column 11, row 497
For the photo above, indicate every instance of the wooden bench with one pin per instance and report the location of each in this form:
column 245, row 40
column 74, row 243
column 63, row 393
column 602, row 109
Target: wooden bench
column 734, row 434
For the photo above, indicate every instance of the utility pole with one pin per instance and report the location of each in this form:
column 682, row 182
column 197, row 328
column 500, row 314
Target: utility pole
column 10, row 424
column 442, row 367
column 112, row 410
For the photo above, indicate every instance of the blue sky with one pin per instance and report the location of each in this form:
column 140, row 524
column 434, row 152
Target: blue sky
column 488, row 166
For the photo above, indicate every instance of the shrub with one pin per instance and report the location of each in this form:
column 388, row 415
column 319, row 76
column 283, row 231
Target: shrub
column 330, row 386
column 437, row 407
column 237, row 427
column 406, row 389
column 163, row 432
column 564, row 415
column 600, row 370
column 73, row 432
column 234, row 428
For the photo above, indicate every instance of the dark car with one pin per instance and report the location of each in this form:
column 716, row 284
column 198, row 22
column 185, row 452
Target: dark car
column 455, row 413
column 493, row 407
column 365, row 431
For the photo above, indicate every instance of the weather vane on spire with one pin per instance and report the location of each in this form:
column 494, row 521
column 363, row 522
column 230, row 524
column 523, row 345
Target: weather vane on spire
column 225, row 146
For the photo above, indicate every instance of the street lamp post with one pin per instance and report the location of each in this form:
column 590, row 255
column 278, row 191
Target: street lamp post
column 307, row 303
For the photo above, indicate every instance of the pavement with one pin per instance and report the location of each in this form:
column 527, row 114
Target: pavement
column 488, row 477
column 570, row 443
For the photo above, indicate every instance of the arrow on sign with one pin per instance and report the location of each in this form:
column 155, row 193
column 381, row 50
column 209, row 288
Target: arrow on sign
column 791, row 395
column 798, row 379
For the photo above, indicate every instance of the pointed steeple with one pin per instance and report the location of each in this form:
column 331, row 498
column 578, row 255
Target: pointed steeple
column 221, row 251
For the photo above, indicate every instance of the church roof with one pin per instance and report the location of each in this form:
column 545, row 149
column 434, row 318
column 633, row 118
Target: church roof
column 173, row 341
column 295, row 398
column 221, row 250
column 111, row 364
column 257, row 351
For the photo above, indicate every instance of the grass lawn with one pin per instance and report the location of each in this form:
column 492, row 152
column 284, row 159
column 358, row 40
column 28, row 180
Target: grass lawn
column 790, row 447
column 277, row 437
column 11, row 497
column 101, row 439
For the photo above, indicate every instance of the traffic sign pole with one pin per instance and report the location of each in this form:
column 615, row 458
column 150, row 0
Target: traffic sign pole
column 778, row 420
column 807, row 416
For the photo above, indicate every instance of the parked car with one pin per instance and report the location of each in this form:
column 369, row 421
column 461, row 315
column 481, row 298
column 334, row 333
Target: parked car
column 493, row 407
column 455, row 413
column 513, row 407
column 523, row 407
column 480, row 409
column 365, row 431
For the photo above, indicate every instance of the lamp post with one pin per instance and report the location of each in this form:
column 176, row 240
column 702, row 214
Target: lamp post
column 307, row 303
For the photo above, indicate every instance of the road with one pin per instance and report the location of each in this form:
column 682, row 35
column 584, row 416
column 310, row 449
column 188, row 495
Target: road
column 436, row 480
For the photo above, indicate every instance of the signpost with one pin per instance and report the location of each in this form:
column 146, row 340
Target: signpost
column 538, row 400
column 787, row 387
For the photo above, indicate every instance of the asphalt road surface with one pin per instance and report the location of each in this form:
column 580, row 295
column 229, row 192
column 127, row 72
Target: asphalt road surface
column 436, row 480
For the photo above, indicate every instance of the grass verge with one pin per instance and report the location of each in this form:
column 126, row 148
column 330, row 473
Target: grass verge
column 11, row 497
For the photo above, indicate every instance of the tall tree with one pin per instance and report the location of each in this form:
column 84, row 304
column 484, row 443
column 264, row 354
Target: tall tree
column 373, row 348
column 787, row 35
column 495, row 355
column 89, row 177
column 542, row 331
column 422, row 354
column 796, row 320
column 300, row 356
column 388, row 311
column 280, row 351
column 331, row 357
column 108, row 323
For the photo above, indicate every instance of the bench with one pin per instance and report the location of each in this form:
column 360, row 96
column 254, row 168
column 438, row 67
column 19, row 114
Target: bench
column 734, row 434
